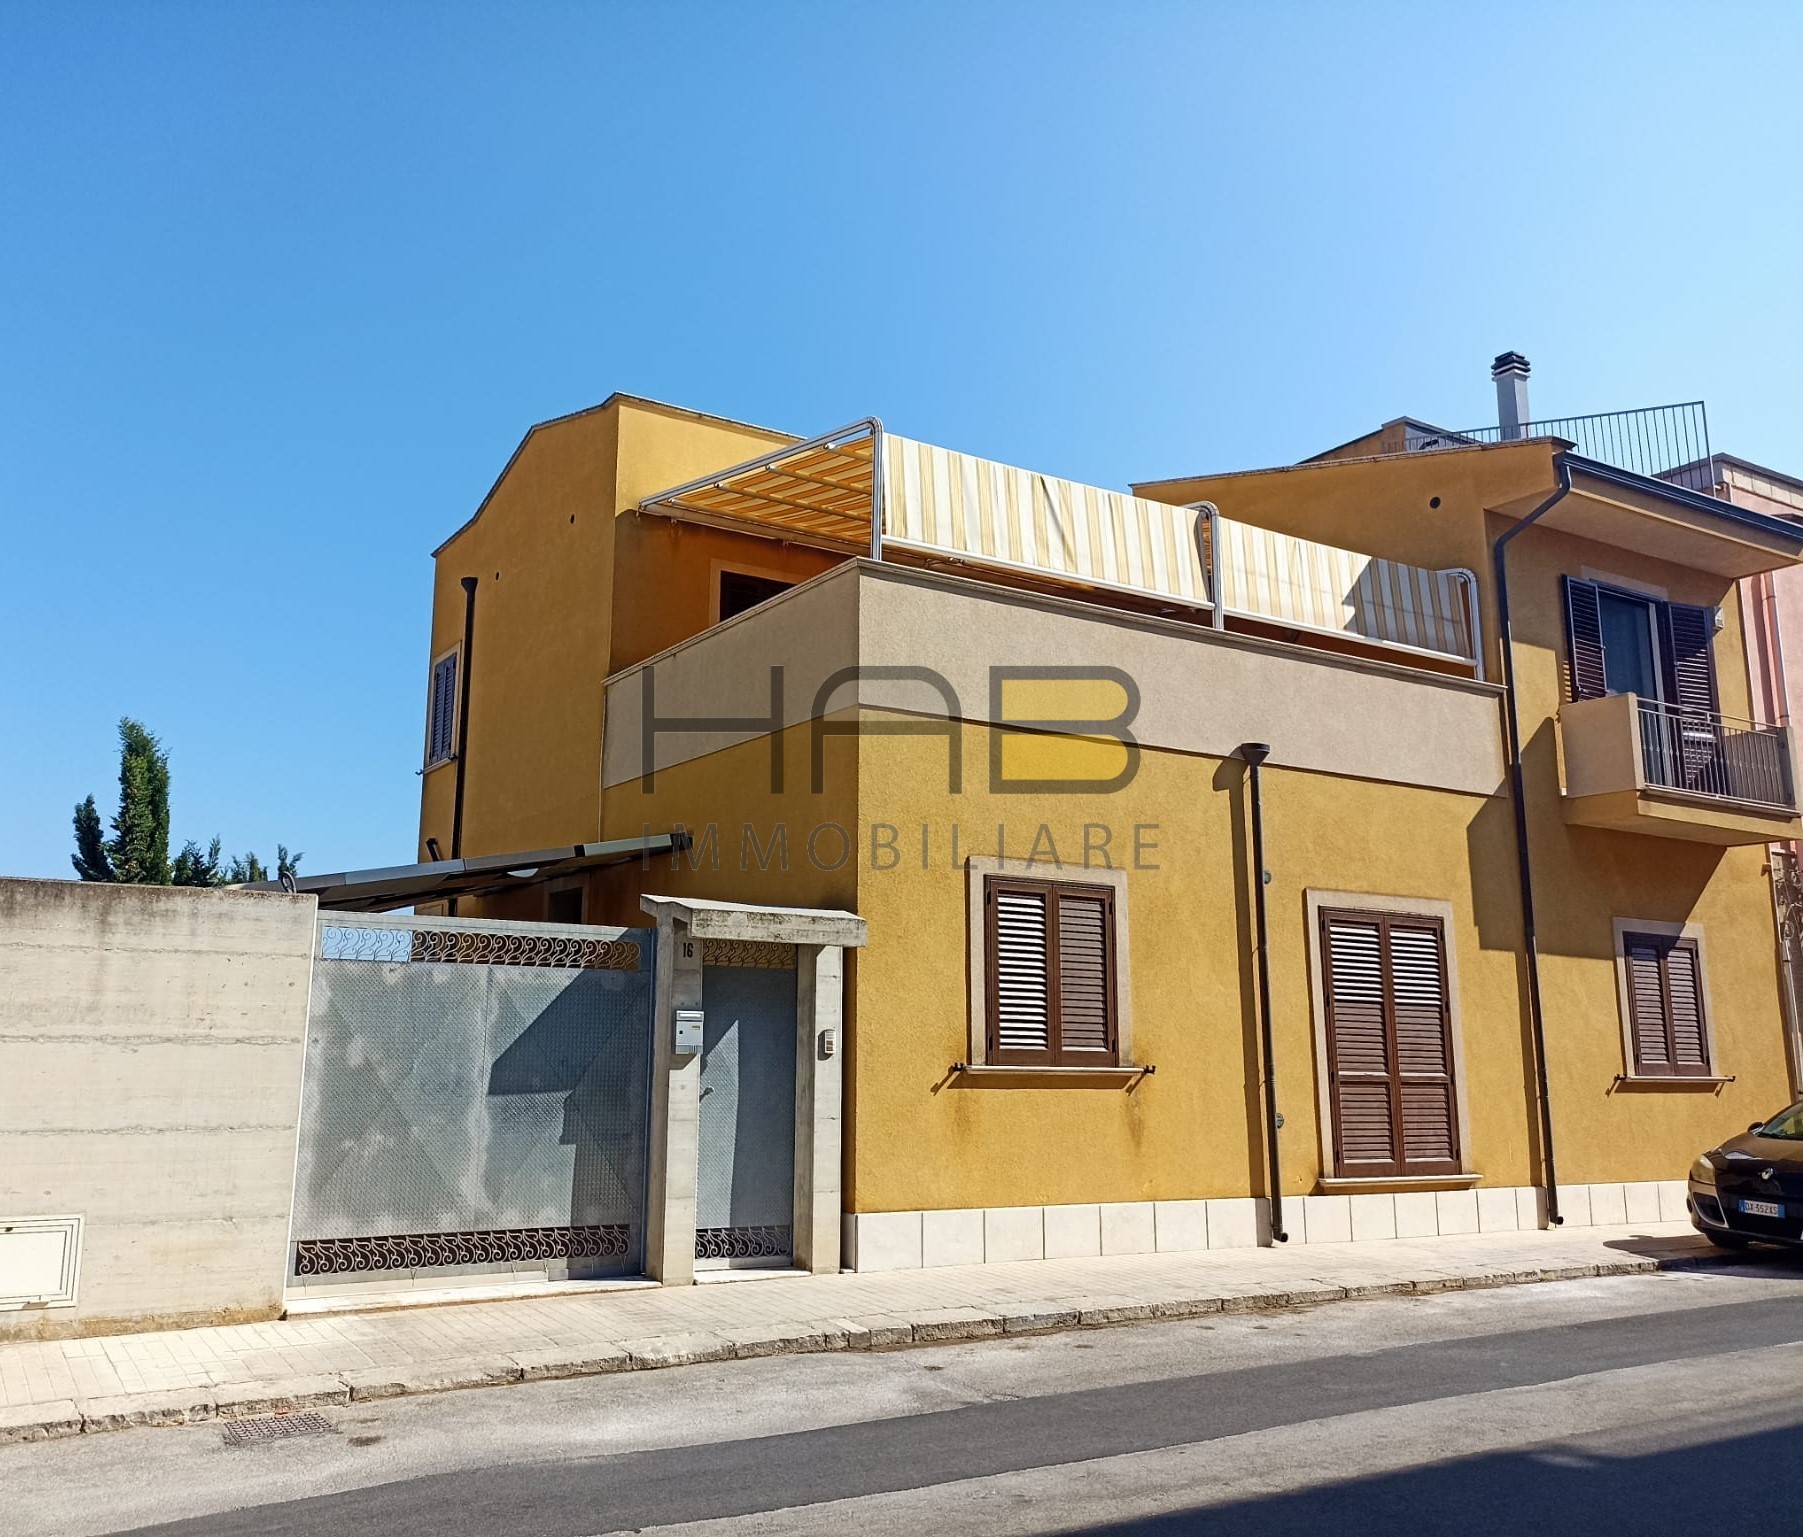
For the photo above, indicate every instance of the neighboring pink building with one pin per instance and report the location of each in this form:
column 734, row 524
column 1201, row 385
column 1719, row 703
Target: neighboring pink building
column 1773, row 603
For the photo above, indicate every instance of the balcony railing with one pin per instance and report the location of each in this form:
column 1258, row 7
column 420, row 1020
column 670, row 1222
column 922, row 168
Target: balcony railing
column 1654, row 441
column 1708, row 754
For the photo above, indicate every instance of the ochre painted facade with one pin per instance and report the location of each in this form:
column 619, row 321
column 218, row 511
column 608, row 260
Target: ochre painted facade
column 567, row 593
column 577, row 586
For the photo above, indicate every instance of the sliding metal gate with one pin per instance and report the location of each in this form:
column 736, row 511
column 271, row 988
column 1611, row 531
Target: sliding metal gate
column 475, row 1100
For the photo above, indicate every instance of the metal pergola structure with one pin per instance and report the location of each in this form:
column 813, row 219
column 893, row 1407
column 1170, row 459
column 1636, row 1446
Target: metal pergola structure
column 825, row 491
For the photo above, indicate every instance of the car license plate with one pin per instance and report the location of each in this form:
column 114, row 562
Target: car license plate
column 1763, row 1208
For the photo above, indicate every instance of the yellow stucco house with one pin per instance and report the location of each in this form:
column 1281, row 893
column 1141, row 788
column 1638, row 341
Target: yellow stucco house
column 1190, row 827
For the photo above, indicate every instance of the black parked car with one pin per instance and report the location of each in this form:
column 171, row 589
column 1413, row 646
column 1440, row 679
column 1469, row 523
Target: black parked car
column 1750, row 1189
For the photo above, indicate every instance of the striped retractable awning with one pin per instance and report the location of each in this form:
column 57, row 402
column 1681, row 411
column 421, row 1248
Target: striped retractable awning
column 939, row 503
column 948, row 503
column 1316, row 586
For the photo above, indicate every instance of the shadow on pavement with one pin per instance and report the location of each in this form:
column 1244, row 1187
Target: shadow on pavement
column 1692, row 1252
column 1733, row 1482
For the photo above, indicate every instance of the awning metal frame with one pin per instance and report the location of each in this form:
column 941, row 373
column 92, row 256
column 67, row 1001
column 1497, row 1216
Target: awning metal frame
column 678, row 499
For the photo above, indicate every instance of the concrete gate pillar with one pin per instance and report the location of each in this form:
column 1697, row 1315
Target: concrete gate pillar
column 670, row 1173
column 820, row 937
column 819, row 1016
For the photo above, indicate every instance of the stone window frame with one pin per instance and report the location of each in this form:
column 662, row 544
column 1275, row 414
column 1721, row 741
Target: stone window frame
column 978, row 869
column 1665, row 929
column 1315, row 902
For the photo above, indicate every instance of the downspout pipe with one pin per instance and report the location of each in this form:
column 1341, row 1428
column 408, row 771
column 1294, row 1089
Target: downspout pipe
column 463, row 715
column 1524, row 862
column 1254, row 754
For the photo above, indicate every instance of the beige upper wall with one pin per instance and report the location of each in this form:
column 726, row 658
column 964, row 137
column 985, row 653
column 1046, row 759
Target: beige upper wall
column 1201, row 692
column 150, row 1076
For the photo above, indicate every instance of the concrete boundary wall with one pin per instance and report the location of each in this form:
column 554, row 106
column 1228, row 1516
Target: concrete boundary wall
column 151, row 1041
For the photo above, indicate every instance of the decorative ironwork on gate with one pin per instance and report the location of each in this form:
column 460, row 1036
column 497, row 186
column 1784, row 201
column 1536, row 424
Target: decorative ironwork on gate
column 476, row 1096
column 763, row 954
column 742, row 1243
column 482, row 947
column 421, row 1251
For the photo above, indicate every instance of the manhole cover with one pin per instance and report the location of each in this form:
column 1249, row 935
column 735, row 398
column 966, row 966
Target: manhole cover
column 274, row 1427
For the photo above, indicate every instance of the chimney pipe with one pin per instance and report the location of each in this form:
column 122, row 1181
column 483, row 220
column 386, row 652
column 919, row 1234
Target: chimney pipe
column 1510, row 375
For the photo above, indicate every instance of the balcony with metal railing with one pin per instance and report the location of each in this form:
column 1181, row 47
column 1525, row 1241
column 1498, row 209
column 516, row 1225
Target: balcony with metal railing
column 1659, row 442
column 1711, row 754
column 1638, row 765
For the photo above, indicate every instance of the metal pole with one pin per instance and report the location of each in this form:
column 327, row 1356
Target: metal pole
column 877, row 499
column 1254, row 754
column 1217, row 597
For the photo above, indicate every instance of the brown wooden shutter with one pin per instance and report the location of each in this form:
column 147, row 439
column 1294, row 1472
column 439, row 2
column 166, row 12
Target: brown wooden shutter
column 1666, row 1022
column 1584, row 639
column 1689, row 657
column 1085, row 928
column 1684, row 990
column 1646, row 1003
column 1019, row 942
column 1423, row 1045
column 1389, row 1030
column 441, row 710
column 1049, row 949
column 1365, row 1133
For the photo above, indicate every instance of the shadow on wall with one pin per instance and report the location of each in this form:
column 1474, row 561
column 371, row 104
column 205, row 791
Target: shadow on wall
column 590, row 1044
column 1552, row 1491
column 1583, row 871
column 1230, row 780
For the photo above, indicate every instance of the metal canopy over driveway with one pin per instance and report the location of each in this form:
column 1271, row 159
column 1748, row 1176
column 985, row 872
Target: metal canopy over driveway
column 438, row 880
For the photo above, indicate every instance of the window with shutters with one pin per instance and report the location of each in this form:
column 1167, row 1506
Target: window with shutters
column 1620, row 642
column 1662, row 994
column 441, row 711
column 1050, row 973
column 1393, row 1090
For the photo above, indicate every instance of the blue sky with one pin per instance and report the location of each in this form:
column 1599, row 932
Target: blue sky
column 282, row 287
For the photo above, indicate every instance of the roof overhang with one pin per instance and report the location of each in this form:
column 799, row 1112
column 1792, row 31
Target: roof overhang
column 823, row 491
column 378, row 891
column 1671, row 523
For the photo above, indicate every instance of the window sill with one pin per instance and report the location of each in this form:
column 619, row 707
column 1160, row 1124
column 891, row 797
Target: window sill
column 1342, row 1186
column 1670, row 1080
column 989, row 1076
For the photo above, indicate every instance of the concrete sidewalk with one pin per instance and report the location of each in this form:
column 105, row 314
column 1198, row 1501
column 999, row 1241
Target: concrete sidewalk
column 68, row 1387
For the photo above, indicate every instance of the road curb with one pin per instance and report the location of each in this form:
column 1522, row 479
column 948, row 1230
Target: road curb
column 930, row 1326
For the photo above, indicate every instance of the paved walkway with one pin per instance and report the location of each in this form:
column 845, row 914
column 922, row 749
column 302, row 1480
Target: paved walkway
column 66, row 1387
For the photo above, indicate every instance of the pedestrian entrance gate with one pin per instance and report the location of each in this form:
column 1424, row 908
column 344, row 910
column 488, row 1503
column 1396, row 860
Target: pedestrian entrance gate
column 745, row 1178
column 476, row 1099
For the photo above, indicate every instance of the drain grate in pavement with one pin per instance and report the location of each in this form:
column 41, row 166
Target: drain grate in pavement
column 274, row 1427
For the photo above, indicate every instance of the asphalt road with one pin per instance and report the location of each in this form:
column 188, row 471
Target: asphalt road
column 1655, row 1404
